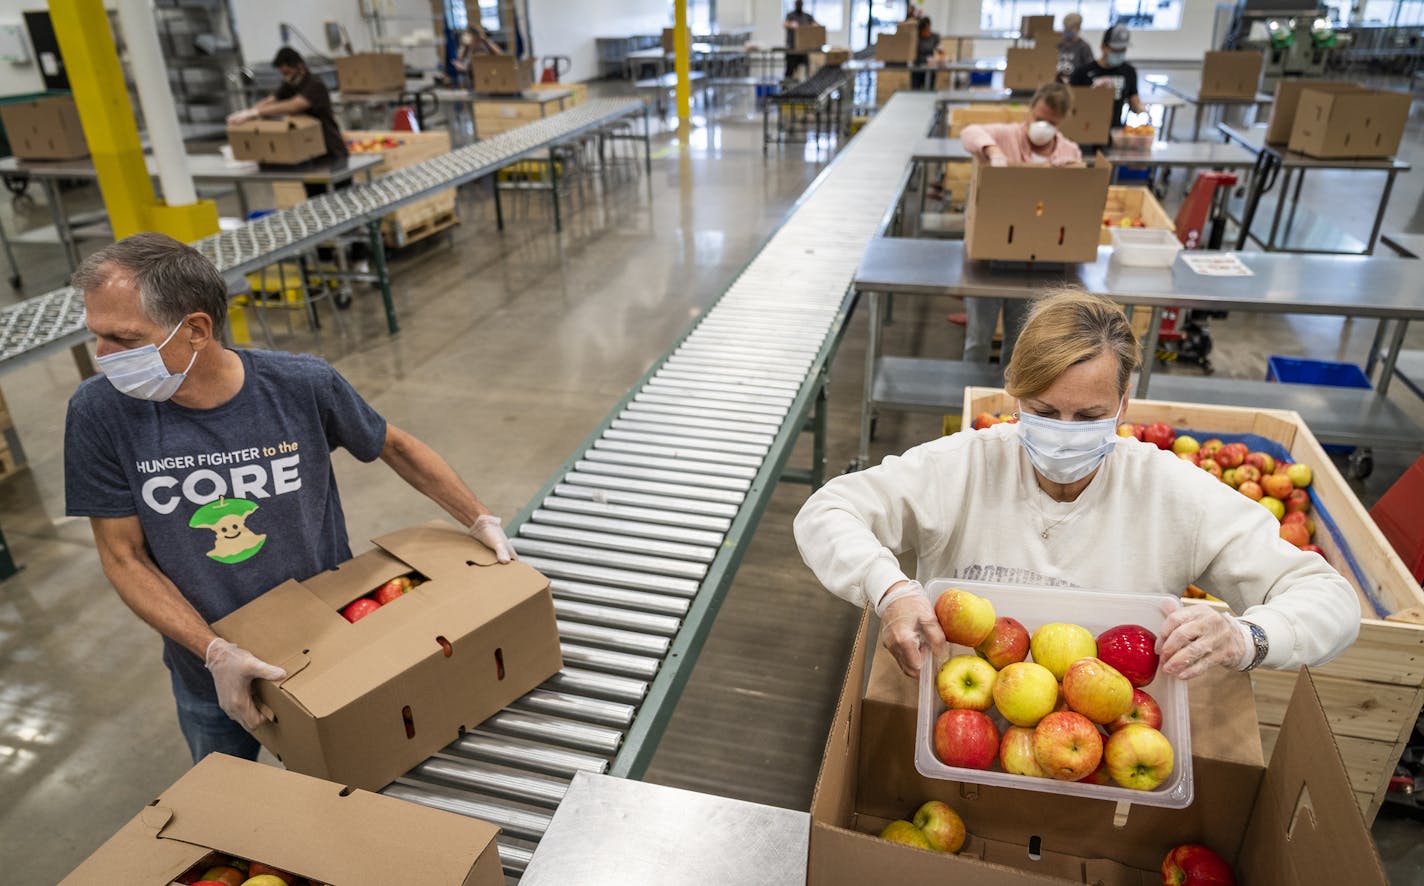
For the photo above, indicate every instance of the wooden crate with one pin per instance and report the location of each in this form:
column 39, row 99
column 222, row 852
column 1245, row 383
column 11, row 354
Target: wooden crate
column 423, row 218
column 888, row 82
column 1373, row 692
column 969, row 115
column 1133, row 202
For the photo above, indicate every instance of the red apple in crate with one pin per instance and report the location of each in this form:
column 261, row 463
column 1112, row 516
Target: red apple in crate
column 1314, row 549
column 966, row 682
column 1025, row 692
column 1232, row 455
column 225, row 874
column 1248, row 474
column 1185, row 444
column 1295, row 534
column 1193, row 864
column 1211, row 467
column 1016, row 754
column 1298, row 502
column 1132, row 650
column 1299, row 474
column 1212, row 445
column 1277, row 486
column 966, row 739
column 941, row 825
column 1144, row 710
column 359, row 608
column 905, row 832
column 1251, row 490
column 1067, row 745
column 1057, row 645
column 965, row 618
column 1261, row 462
column 1007, row 643
column 1274, row 505
column 1302, row 518
column 1098, row 776
column 1159, row 434
column 1096, row 690
column 1138, row 757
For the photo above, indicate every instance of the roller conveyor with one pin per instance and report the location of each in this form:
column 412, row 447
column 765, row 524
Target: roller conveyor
column 642, row 531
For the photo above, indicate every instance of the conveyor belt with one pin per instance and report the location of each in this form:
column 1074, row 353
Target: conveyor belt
column 642, row 531
column 40, row 325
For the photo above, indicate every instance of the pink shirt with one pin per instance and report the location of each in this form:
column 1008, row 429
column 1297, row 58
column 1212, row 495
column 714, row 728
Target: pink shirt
column 1012, row 139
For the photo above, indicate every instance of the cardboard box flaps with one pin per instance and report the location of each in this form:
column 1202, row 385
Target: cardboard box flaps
column 281, row 140
column 1359, row 123
column 1231, row 74
column 501, row 74
column 44, row 129
column 364, row 702
column 320, row 830
column 1035, row 213
column 1026, row 69
column 1090, row 120
column 1030, row 26
column 371, row 72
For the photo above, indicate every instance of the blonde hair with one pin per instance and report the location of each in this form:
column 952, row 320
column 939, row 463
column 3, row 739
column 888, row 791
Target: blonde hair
column 1066, row 327
column 1056, row 96
column 1072, row 18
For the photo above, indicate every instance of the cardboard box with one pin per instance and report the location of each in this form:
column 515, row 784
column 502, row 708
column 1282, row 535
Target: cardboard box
column 44, row 129
column 971, row 115
column 887, row 83
column 1030, row 26
column 1286, row 824
column 371, row 72
column 897, row 48
column 501, row 74
column 668, row 38
column 1035, row 213
column 1026, row 69
column 365, row 702
column 1133, row 202
column 1232, row 74
column 1364, row 123
column 1090, row 121
column 303, row 825
column 1288, row 90
column 808, row 37
column 281, row 140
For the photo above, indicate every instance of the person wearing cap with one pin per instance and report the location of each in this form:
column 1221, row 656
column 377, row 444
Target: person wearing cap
column 1073, row 51
column 1036, row 140
column 1111, row 71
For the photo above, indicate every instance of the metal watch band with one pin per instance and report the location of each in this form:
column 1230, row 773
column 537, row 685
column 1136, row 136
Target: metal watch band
column 1258, row 636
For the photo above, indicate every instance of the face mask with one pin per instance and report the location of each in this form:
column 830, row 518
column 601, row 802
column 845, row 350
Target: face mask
column 140, row 373
column 1041, row 132
column 1070, row 36
column 1066, row 451
column 1115, row 59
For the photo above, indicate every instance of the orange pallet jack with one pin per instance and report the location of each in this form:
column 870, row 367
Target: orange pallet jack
column 1183, row 335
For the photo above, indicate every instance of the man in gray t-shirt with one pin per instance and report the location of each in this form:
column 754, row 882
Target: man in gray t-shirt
column 206, row 472
column 1073, row 51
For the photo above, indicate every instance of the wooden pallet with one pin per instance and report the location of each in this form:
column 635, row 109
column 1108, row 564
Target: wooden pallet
column 398, row 235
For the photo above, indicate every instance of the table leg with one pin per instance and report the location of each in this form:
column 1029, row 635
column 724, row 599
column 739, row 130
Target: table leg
column 1381, row 327
column 61, row 224
column 378, row 257
column 1295, row 200
column 1270, row 243
column 498, row 206
column 554, row 190
column 872, row 347
column 1149, row 352
column 10, row 255
column 1387, row 371
column 1259, row 173
column 818, row 436
column 647, row 148
column 1374, row 231
column 242, row 201
column 1196, row 123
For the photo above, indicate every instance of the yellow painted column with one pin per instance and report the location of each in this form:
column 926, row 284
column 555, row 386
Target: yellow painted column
column 682, row 61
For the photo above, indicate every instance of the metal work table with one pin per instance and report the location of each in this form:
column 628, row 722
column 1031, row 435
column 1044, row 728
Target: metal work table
column 413, row 94
column 1167, row 101
column 620, row 832
column 1187, row 87
column 1275, row 164
column 1380, row 288
column 463, row 100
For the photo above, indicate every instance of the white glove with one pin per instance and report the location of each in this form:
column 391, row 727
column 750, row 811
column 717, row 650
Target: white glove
column 997, row 158
column 239, row 117
column 1194, row 638
column 486, row 531
column 908, row 625
column 233, row 670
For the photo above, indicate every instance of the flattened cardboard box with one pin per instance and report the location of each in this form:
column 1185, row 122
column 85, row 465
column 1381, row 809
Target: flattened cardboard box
column 808, row 37
column 364, row 702
column 1287, row 99
column 371, row 72
column 320, row 830
column 1090, row 120
column 1231, row 74
column 44, row 129
column 1270, row 822
column 501, row 74
column 1035, row 213
column 281, row 140
column 1026, row 69
column 1364, row 123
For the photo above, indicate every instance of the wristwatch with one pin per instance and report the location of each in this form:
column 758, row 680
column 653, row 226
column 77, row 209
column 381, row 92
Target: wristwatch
column 1258, row 637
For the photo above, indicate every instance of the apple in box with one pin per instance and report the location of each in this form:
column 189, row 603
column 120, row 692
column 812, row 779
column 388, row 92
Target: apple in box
column 966, row 682
column 1193, row 864
column 1132, row 651
column 1007, row 643
column 941, row 825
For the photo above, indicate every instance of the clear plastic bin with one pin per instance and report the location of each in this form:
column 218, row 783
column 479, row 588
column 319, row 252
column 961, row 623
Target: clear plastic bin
column 1133, row 143
column 1097, row 611
column 1144, row 247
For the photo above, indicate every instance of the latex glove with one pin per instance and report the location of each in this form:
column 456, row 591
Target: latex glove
column 486, row 530
column 1104, row 83
column 997, row 158
column 234, row 669
column 239, row 117
column 1194, row 638
column 908, row 626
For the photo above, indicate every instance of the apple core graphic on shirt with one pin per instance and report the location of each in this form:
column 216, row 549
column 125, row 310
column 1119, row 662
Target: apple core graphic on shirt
column 233, row 541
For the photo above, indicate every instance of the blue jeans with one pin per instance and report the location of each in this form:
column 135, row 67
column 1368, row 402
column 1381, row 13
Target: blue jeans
column 208, row 729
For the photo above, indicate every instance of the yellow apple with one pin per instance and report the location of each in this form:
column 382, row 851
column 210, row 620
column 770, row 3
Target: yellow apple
column 941, row 825
column 1057, row 645
column 1097, row 690
column 1025, row 692
column 966, row 682
column 905, row 832
column 1138, row 757
column 966, row 618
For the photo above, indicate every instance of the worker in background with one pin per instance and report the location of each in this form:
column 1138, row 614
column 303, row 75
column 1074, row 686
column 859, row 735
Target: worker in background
column 474, row 41
column 1073, row 51
column 797, row 17
column 926, row 53
column 1036, row 140
column 1056, row 500
column 206, row 472
column 1111, row 71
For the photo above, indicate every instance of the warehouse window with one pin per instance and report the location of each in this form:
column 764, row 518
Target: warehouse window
column 874, row 17
column 1393, row 12
column 1140, row 15
column 828, row 13
column 458, row 10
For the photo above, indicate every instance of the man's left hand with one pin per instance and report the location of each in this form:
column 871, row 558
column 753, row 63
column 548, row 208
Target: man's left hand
column 486, row 530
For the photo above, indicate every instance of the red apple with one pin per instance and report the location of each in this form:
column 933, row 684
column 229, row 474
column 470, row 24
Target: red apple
column 390, row 590
column 1302, row 518
column 1160, row 434
column 1295, row 534
column 1067, row 745
column 1277, row 486
column 1016, row 754
column 967, row 739
column 1007, row 643
column 1251, row 490
column 1144, row 710
column 359, row 608
column 1131, row 649
column 1261, row 462
column 1192, row 864
column 985, row 420
column 1248, row 474
column 1211, row 467
column 1212, row 446
column 1298, row 502
column 1231, row 455
column 1314, row 549
column 1098, row 776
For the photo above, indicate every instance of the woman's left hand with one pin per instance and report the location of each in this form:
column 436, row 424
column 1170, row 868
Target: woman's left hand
column 1194, row 638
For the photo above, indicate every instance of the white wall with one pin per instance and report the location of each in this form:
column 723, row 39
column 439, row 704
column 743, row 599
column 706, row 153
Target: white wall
column 562, row 27
column 26, row 77
column 258, row 20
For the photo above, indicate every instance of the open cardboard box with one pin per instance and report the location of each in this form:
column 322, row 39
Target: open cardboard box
column 320, row 830
column 1035, row 213
column 1287, row 99
column 1231, row 74
column 364, row 702
column 1291, row 823
column 281, row 140
column 1128, row 201
column 1090, row 120
column 1359, row 123
column 371, row 72
column 1026, row 69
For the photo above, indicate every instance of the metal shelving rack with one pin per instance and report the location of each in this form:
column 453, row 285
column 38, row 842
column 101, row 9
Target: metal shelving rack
column 200, row 46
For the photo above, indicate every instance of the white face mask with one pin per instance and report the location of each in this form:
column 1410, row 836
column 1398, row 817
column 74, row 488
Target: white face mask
column 140, row 372
column 1041, row 132
column 1066, row 451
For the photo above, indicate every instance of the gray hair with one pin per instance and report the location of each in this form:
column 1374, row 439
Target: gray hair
column 173, row 279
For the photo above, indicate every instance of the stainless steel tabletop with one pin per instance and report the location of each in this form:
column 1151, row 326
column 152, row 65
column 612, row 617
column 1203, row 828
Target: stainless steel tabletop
column 1361, row 286
column 206, row 167
column 621, row 832
column 1253, row 139
column 980, row 97
column 1190, row 154
column 533, row 96
column 1408, row 245
column 1187, row 86
column 938, row 150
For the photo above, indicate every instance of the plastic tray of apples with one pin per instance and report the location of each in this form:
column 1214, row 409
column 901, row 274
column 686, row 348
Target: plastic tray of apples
column 1037, row 706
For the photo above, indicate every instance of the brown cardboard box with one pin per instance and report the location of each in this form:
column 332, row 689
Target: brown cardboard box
column 808, row 37
column 1364, row 123
column 1031, row 25
column 501, row 74
column 1288, row 91
column 1233, row 74
column 1126, row 201
column 971, row 115
column 280, row 140
column 299, row 824
column 669, row 35
column 371, row 72
column 1029, row 68
column 1035, row 213
column 365, row 702
column 1269, row 821
column 44, row 129
column 1090, row 121
column 896, row 48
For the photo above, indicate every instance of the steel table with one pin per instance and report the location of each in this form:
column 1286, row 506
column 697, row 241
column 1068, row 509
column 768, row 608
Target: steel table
column 1274, row 162
column 1188, row 88
column 620, row 832
column 1384, row 289
column 461, row 100
column 1168, row 102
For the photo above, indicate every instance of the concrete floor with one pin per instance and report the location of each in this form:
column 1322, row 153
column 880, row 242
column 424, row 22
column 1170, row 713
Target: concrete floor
column 513, row 347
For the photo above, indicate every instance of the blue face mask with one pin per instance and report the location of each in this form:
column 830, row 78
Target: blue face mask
column 1066, row 451
column 1070, row 36
column 1115, row 59
column 141, row 373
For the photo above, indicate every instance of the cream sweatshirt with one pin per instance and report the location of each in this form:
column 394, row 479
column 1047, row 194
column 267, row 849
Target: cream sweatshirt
column 968, row 507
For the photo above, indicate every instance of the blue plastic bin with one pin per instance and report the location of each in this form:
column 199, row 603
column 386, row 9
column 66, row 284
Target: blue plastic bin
column 981, row 78
column 1296, row 371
